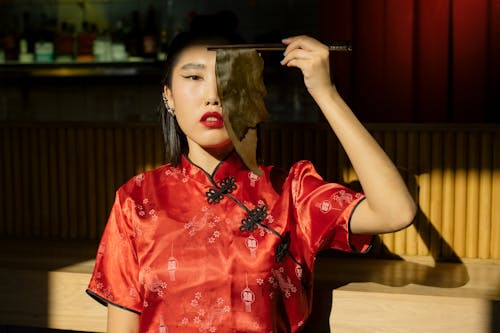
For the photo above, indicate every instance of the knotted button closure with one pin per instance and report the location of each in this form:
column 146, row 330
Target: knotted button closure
column 282, row 248
column 226, row 186
column 254, row 218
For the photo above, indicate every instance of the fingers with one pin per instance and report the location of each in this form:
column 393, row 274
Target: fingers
column 303, row 42
column 297, row 54
column 300, row 48
column 312, row 58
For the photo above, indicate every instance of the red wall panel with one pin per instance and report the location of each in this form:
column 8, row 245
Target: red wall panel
column 432, row 60
column 368, row 60
column 470, row 22
column 398, row 59
column 336, row 24
column 493, row 65
column 417, row 60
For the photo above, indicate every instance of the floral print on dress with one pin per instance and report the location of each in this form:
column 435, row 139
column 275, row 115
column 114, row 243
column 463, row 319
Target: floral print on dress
column 338, row 201
column 252, row 244
column 101, row 288
column 204, row 313
column 213, row 238
column 199, row 300
column 132, row 292
column 253, row 178
column 247, row 296
column 177, row 173
column 206, row 218
column 146, row 210
column 284, row 282
column 172, row 264
column 342, row 197
column 151, row 282
column 101, row 250
column 139, row 179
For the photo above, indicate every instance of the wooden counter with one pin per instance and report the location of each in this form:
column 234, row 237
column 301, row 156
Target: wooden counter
column 43, row 284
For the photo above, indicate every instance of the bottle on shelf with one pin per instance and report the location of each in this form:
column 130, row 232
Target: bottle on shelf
column 118, row 49
column 150, row 35
column 85, row 43
column 26, row 40
column 134, row 39
column 44, row 45
column 64, row 43
column 10, row 39
column 102, row 47
column 162, row 47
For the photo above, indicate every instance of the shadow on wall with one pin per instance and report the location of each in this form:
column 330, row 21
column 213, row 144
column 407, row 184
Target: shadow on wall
column 448, row 271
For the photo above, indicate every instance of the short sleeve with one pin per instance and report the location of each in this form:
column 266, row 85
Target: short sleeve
column 324, row 211
column 115, row 276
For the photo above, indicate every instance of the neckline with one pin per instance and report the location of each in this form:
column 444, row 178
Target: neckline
column 228, row 166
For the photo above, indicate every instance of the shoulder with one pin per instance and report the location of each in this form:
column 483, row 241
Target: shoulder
column 303, row 180
column 301, row 167
column 284, row 180
column 145, row 181
column 304, row 171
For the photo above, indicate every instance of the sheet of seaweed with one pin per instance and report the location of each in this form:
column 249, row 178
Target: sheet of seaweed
column 241, row 89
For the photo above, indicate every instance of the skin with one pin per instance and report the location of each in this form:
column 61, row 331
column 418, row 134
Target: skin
column 194, row 92
column 377, row 174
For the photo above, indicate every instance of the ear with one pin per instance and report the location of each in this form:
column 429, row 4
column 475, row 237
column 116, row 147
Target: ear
column 168, row 94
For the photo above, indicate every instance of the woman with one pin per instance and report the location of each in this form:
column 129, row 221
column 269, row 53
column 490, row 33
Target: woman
column 202, row 244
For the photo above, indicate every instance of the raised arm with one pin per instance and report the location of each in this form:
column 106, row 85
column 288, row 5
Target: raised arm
column 388, row 206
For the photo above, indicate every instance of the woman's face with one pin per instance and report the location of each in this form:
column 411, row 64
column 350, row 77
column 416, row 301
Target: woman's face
column 193, row 96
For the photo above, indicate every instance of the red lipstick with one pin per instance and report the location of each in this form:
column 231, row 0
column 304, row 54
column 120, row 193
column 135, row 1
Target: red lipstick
column 212, row 120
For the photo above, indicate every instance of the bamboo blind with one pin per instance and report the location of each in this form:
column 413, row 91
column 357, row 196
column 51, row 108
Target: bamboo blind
column 57, row 181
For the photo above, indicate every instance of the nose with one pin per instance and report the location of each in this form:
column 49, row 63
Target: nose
column 212, row 101
column 212, row 97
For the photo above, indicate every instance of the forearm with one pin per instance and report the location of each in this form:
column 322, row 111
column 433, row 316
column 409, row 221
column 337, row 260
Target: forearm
column 389, row 204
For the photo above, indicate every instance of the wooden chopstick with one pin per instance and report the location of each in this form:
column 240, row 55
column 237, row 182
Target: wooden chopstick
column 335, row 46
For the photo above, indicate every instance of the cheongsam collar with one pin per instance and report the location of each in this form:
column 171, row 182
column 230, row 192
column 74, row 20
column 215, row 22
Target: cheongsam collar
column 222, row 183
column 228, row 167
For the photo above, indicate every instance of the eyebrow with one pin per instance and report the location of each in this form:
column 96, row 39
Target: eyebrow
column 192, row 65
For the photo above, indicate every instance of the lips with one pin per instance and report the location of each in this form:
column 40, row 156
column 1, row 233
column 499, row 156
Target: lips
column 212, row 120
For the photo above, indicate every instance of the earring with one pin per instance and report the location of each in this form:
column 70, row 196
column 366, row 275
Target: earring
column 169, row 109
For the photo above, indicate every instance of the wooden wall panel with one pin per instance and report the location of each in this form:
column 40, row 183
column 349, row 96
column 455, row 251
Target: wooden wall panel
column 495, row 198
column 58, row 181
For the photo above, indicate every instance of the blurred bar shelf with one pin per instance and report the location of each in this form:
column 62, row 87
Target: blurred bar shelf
column 16, row 70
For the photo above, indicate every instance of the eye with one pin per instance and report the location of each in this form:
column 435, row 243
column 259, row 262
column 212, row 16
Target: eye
column 193, row 77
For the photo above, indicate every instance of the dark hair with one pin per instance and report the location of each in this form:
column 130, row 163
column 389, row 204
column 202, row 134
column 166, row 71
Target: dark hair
column 173, row 137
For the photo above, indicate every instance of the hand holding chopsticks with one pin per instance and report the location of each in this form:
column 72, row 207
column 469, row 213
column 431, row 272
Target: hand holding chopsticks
column 341, row 46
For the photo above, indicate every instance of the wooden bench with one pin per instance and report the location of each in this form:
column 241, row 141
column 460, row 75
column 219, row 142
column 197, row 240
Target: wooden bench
column 412, row 295
column 42, row 285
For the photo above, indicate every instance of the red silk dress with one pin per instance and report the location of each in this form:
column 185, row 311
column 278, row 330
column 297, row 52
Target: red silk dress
column 227, row 252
